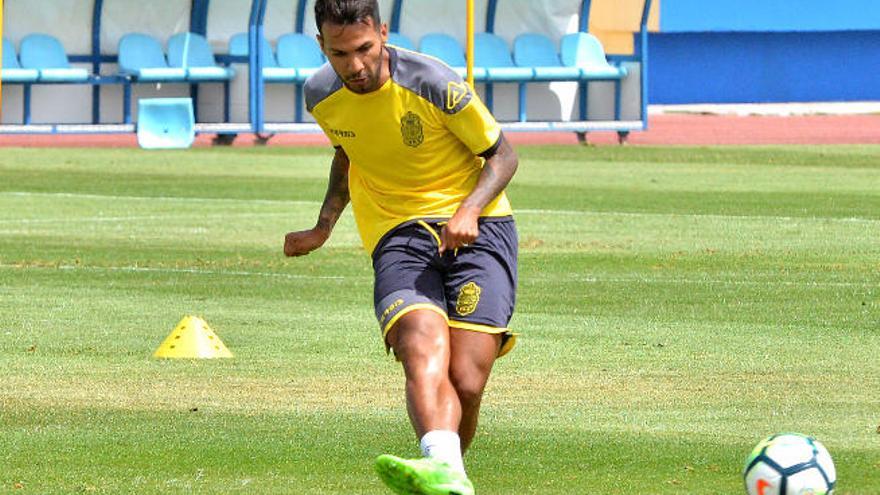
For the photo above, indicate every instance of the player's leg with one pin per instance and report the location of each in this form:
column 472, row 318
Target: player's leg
column 410, row 306
column 471, row 360
column 421, row 342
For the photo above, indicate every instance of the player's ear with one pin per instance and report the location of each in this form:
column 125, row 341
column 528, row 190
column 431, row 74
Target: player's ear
column 383, row 31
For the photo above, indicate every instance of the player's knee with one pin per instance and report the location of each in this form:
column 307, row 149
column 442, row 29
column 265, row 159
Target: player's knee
column 469, row 383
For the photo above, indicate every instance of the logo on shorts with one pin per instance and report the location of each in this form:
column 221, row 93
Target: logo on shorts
column 411, row 130
column 468, row 298
column 390, row 308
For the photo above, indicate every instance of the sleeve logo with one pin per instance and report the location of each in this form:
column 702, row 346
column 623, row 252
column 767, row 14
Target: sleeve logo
column 411, row 129
column 468, row 298
column 455, row 92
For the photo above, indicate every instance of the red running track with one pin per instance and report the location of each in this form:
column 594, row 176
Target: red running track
column 666, row 129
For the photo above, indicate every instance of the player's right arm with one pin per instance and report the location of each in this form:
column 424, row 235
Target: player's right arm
column 305, row 241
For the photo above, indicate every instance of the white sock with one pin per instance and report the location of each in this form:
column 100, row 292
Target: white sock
column 443, row 445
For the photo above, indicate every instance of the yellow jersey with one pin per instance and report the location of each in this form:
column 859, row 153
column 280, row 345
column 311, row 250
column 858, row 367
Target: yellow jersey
column 414, row 144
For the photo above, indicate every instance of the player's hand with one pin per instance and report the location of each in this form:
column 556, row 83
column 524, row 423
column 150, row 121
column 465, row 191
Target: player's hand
column 304, row 242
column 461, row 230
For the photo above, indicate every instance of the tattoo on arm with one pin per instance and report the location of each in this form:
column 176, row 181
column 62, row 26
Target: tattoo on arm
column 497, row 172
column 337, row 196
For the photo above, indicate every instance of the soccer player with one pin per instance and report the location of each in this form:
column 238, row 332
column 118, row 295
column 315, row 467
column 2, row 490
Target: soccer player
column 424, row 165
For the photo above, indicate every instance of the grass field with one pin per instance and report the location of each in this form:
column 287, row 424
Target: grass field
column 676, row 306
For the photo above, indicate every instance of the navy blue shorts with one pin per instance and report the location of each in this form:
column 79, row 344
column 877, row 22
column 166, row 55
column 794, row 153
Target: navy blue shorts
column 473, row 287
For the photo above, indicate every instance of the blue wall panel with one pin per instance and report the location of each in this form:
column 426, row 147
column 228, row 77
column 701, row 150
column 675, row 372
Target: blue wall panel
column 769, row 15
column 764, row 67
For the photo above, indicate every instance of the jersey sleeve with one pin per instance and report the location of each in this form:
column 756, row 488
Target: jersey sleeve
column 474, row 125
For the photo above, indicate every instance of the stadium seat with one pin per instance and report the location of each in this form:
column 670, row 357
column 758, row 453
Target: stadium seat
column 538, row 52
column 272, row 73
column 401, row 41
column 450, row 51
column 192, row 52
column 301, row 52
column 584, row 51
column 11, row 71
column 45, row 54
column 492, row 54
column 165, row 123
column 141, row 58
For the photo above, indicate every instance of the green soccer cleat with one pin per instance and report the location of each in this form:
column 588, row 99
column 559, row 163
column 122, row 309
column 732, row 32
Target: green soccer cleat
column 422, row 477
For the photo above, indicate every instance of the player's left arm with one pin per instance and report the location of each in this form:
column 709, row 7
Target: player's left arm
column 501, row 164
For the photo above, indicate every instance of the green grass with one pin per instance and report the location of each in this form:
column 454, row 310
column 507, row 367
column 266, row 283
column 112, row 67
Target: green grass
column 676, row 305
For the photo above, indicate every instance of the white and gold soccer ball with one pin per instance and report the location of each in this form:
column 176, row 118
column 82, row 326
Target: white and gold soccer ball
column 789, row 464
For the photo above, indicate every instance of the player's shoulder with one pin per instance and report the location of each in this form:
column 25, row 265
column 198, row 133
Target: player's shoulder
column 320, row 85
column 431, row 79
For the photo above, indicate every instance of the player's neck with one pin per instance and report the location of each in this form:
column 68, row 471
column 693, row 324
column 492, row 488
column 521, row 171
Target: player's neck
column 385, row 72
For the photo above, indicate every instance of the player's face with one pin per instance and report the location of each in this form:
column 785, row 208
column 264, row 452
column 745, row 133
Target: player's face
column 356, row 54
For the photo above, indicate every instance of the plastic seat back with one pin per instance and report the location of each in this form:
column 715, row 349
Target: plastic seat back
column 492, row 56
column 11, row 71
column 299, row 51
column 239, row 47
column 10, row 61
column 401, row 41
column 582, row 50
column 139, row 51
column 444, row 47
column 491, row 51
column 41, row 51
column 535, row 50
column 190, row 50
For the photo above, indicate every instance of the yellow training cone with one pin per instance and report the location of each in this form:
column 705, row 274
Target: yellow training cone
column 192, row 338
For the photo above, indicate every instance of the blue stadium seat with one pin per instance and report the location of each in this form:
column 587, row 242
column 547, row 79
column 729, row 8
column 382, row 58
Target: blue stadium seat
column 46, row 54
column 301, row 52
column 538, row 52
column 11, row 71
column 141, row 58
column 584, row 51
column 191, row 51
column 450, row 51
column 491, row 53
column 401, row 41
column 165, row 123
column 272, row 73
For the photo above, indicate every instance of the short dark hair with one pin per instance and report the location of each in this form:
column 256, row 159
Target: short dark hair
column 346, row 12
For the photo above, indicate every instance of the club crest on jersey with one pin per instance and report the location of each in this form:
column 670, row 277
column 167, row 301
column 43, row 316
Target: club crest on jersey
column 455, row 92
column 468, row 298
column 411, row 129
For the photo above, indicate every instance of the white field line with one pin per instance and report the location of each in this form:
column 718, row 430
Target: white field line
column 524, row 211
column 691, row 281
column 576, row 278
column 192, row 271
column 173, row 199
column 695, row 215
column 102, row 219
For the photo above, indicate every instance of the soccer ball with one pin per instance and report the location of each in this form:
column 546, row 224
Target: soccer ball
column 789, row 464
